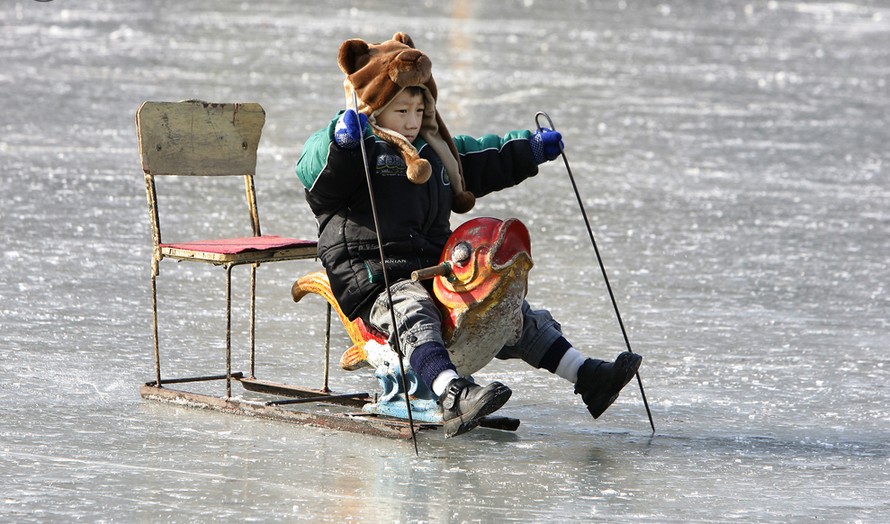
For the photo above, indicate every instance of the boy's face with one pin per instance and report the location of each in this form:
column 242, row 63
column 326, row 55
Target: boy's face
column 403, row 115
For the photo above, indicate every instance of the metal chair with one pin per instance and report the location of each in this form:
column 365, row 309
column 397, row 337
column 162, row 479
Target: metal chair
column 195, row 138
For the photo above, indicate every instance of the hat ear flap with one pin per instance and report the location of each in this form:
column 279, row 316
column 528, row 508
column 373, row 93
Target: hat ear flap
column 404, row 38
column 349, row 54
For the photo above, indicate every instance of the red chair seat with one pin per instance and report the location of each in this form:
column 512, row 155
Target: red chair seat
column 233, row 246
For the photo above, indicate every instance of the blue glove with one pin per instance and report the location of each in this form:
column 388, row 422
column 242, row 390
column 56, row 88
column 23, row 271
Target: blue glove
column 349, row 129
column 546, row 144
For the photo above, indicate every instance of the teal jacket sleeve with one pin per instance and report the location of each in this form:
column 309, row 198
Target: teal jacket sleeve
column 492, row 163
column 314, row 157
column 330, row 174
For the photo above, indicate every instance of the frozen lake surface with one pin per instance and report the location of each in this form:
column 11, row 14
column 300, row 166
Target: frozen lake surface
column 733, row 160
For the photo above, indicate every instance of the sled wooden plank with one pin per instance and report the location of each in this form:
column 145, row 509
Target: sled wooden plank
column 354, row 423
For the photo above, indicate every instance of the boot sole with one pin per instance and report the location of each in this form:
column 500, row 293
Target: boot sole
column 463, row 424
column 630, row 363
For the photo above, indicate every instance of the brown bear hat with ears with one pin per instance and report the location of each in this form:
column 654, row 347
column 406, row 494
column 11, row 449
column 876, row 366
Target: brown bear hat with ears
column 377, row 73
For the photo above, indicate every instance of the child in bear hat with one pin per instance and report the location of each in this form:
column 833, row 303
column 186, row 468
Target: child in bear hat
column 420, row 175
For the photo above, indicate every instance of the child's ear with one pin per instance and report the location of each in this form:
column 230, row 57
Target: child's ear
column 403, row 38
column 349, row 53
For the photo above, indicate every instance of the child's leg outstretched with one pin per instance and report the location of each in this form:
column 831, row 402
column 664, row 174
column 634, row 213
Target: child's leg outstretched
column 543, row 346
column 420, row 330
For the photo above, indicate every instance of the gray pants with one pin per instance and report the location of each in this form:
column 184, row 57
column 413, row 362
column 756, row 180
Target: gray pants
column 420, row 322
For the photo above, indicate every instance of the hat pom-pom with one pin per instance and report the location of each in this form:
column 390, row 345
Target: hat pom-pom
column 463, row 202
column 419, row 170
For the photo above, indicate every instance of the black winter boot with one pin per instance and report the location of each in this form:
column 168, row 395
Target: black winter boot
column 600, row 382
column 464, row 403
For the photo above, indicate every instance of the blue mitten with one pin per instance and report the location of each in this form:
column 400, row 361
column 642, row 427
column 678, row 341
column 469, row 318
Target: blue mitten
column 546, row 144
column 349, row 128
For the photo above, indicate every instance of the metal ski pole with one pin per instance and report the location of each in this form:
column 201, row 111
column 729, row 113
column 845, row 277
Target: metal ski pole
column 395, row 326
column 599, row 259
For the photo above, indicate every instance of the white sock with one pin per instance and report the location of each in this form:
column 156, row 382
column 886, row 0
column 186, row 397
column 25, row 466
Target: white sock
column 569, row 365
column 440, row 383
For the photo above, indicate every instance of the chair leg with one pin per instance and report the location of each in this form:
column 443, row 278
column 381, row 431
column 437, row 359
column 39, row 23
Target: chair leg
column 327, row 349
column 253, row 319
column 228, row 331
column 154, row 310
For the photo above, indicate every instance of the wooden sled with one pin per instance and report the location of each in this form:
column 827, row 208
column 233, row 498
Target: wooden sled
column 194, row 138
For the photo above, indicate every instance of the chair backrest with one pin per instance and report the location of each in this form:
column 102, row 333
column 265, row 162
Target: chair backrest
column 199, row 138
column 196, row 138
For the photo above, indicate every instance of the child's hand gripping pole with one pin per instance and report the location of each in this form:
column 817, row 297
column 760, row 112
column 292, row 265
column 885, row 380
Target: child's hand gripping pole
column 350, row 128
